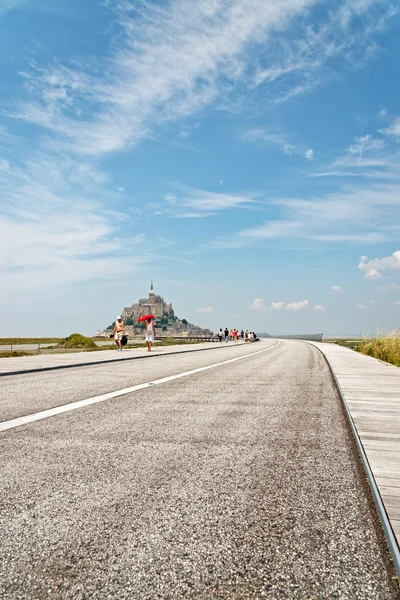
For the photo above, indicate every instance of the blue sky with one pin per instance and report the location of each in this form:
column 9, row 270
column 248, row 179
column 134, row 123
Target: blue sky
column 243, row 153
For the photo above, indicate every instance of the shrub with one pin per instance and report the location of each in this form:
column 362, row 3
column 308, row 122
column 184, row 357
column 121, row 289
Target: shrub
column 76, row 340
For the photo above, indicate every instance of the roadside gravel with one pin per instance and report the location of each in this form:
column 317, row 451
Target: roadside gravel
column 236, row 483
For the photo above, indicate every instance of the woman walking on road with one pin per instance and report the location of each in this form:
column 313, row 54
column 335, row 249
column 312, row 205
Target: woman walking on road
column 150, row 333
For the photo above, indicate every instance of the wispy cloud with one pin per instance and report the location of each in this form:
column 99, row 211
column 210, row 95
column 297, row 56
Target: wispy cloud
column 193, row 203
column 319, row 308
column 206, row 309
column 394, row 128
column 172, row 61
column 6, row 5
column 55, row 226
column 337, row 289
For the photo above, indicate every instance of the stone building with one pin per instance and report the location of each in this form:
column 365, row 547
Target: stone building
column 154, row 304
column 167, row 324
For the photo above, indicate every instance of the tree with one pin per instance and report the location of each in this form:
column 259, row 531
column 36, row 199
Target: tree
column 184, row 322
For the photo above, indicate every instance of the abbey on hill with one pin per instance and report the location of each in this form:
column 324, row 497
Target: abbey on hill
column 166, row 322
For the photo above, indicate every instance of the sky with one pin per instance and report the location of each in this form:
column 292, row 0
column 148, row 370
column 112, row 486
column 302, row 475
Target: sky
column 242, row 153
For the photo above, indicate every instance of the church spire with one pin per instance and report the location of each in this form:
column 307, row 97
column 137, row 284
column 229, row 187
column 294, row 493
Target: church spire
column 151, row 287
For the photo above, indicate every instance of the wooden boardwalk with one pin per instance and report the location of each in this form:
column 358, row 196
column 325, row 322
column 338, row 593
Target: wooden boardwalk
column 372, row 392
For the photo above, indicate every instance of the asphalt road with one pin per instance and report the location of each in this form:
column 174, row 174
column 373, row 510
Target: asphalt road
column 239, row 481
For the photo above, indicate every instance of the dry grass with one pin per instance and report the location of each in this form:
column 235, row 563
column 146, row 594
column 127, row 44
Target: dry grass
column 384, row 346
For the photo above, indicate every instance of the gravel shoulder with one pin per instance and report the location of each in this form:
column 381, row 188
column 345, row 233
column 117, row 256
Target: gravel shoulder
column 236, row 483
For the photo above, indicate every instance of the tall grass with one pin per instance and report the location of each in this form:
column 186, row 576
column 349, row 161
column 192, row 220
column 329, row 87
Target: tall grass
column 384, row 346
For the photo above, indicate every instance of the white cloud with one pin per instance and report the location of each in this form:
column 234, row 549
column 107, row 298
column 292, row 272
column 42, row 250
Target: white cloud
column 372, row 274
column 206, row 309
column 292, row 306
column 297, row 305
column 170, row 197
column 309, row 153
column 397, row 302
column 257, row 304
column 394, row 128
column 277, row 305
column 372, row 268
column 361, row 307
column 337, row 288
column 319, row 308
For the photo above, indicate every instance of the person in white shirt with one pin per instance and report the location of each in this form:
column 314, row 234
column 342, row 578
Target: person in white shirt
column 119, row 331
column 150, row 333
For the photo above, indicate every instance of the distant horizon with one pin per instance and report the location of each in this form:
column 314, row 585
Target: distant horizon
column 245, row 155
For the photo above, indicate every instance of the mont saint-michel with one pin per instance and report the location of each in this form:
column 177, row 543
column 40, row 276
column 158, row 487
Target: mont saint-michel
column 167, row 323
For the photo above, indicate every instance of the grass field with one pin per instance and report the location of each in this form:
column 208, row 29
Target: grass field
column 74, row 343
column 384, row 346
column 16, row 341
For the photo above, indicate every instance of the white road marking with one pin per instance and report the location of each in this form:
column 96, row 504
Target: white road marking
column 58, row 410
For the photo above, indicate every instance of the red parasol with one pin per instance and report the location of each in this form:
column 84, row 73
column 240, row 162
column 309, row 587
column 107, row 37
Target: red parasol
column 145, row 317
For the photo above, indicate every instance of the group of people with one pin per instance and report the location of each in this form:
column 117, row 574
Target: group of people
column 119, row 333
column 120, row 336
column 233, row 335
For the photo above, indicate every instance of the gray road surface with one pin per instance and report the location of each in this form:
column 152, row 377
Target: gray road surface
column 239, row 482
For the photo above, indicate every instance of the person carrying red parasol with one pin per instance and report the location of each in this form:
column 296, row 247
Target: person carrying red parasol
column 149, row 328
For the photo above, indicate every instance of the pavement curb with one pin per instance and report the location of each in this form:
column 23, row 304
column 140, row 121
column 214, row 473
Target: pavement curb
column 111, row 360
column 384, row 519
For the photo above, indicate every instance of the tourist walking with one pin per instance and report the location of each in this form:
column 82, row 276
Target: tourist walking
column 150, row 333
column 226, row 333
column 235, row 335
column 242, row 334
column 220, row 334
column 119, row 331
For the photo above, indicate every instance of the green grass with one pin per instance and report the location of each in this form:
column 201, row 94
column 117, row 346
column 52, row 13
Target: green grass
column 16, row 341
column 347, row 343
column 79, row 343
column 384, row 346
